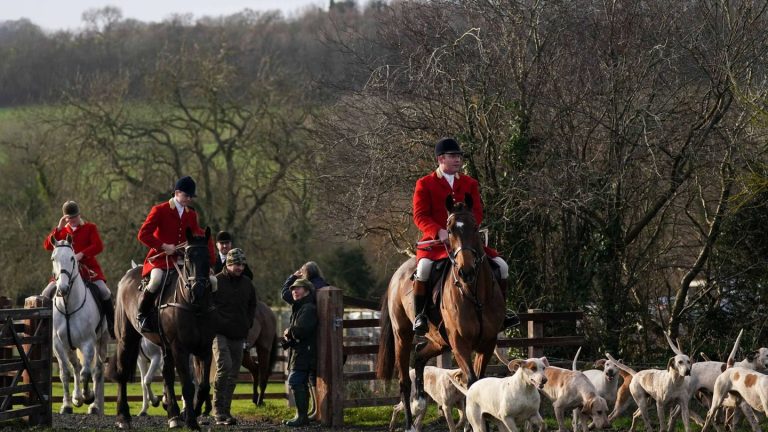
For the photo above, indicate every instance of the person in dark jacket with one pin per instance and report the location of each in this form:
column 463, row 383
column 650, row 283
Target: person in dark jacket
column 301, row 338
column 235, row 301
column 224, row 245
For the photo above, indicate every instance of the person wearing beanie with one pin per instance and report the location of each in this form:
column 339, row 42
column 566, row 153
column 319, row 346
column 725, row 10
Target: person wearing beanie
column 430, row 216
column 163, row 230
column 86, row 243
column 235, row 300
column 223, row 245
column 300, row 338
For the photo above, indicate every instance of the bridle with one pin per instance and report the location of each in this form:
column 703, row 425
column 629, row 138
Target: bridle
column 186, row 283
column 75, row 273
column 479, row 256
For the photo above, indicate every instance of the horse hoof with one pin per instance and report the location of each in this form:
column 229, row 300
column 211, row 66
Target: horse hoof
column 89, row 399
column 174, row 423
column 155, row 402
column 142, row 414
column 94, row 411
column 77, row 402
column 65, row 410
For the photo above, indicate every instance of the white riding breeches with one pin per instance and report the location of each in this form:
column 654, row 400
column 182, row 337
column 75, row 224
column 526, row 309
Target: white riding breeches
column 424, row 267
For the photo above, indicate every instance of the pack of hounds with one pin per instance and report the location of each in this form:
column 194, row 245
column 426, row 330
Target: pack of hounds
column 594, row 398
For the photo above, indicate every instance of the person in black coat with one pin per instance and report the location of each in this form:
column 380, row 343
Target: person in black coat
column 224, row 245
column 301, row 339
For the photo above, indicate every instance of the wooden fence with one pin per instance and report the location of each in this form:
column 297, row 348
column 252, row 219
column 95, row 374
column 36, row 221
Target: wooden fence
column 332, row 352
column 25, row 365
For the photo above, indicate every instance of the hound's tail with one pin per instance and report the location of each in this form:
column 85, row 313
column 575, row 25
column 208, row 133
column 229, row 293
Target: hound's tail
column 621, row 366
column 454, row 377
column 575, row 360
column 732, row 358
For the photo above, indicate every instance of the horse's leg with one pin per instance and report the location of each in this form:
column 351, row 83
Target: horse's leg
column 482, row 359
column 97, row 407
column 423, row 354
column 462, row 352
column 169, row 375
column 187, row 387
column 253, row 368
column 86, row 374
column 403, row 342
column 62, row 354
column 264, row 351
column 203, row 370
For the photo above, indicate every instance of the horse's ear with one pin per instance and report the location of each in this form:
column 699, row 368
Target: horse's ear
column 52, row 239
column 69, row 239
column 189, row 234
column 449, row 203
column 207, row 233
column 468, row 201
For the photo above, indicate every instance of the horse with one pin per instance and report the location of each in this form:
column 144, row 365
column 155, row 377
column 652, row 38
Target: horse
column 79, row 330
column 262, row 336
column 150, row 361
column 471, row 308
column 187, row 326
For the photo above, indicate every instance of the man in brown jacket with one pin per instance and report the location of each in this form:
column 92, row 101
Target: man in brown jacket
column 235, row 300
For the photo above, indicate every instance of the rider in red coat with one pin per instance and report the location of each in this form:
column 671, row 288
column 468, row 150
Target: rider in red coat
column 430, row 216
column 86, row 243
column 163, row 230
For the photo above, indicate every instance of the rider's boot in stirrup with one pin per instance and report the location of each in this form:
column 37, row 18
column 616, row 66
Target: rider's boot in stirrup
column 510, row 318
column 146, row 306
column 420, row 323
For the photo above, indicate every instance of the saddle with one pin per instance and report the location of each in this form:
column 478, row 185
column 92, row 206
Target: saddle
column 170, row 279
column 96, row 293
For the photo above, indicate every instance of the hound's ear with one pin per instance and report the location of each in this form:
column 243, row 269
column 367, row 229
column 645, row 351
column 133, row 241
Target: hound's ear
column 449, row 203
column 600, row 364
column 207, row 233
column 671, row 363
column 468, row 201
column 514, row 365
column 724, row 366
column 189, row 233
column 620, row 361
column 587, row 408
column 751, row 356
column 545, row 361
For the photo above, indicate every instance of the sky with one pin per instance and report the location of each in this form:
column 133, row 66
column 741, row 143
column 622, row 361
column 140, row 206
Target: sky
column 55, row 15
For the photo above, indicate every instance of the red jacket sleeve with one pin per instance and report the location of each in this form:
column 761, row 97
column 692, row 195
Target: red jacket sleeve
column 57, row 234
column 422, row 212
column 95, row 244
column 147, row 230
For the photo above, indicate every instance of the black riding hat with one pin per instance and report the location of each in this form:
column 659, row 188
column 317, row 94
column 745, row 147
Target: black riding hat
column 223, row 236
column 447, row 146
column 186, row 185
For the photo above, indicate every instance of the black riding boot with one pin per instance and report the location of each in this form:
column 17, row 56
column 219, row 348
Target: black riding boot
column 510, row 318
column 146, row 306
column 301, row 396
column 109, row 314
column 420, row 323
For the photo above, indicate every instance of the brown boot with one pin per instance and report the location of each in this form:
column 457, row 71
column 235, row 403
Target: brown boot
column 510, row 318
column 420, row 323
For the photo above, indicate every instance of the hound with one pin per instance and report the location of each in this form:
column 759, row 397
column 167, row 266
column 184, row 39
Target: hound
column 604, row 377
column 572, row 390
column 510, row 400
column 745, row 384
column 623, row 395
column 445, row 394
column 664, row 386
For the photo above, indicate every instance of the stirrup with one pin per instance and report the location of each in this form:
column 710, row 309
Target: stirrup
column 147, row 324
column 511, row 320
column 420, row 325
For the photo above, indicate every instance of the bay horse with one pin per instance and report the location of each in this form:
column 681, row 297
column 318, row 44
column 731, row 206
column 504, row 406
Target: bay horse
column 79, row 332
column 187, row 327
column 471, row 308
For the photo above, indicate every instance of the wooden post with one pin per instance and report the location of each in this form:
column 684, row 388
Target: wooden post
column 330, row 350
column 535, row 330
column 6, row 352
column 41, row 351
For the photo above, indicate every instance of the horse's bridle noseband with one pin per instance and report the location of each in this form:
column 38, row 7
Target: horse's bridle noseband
column 70, row 275
column 479, row 257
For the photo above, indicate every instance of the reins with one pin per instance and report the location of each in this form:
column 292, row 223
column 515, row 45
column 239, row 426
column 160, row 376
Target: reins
column 70, row 280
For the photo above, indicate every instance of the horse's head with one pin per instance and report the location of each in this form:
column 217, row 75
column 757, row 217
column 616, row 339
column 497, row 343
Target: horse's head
column 466, row 252
column 197, row 266
column 65, row 267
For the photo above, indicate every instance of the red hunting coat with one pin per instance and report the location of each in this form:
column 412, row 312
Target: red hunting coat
column 430, row 214
column 163, row 225
column 85, row 239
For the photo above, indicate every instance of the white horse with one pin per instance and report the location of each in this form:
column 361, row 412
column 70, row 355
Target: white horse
column 78, row 345
column 150, row 361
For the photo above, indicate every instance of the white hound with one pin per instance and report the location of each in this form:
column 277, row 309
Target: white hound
column 666, row 387
column 150, row 361
column 510, row 400
column 438, row 386
column 745, row 384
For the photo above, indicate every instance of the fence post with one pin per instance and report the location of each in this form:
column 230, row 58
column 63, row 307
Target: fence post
column 535, row 330
column 41, row 351
column 330, row 351
column 6, row 352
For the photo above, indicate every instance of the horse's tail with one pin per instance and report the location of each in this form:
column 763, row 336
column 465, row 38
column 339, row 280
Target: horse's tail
column 385, row 363
column 273, row 355
column 122, row 365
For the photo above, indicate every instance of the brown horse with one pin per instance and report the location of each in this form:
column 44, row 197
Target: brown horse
column 187, row 327
column 471, row 308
